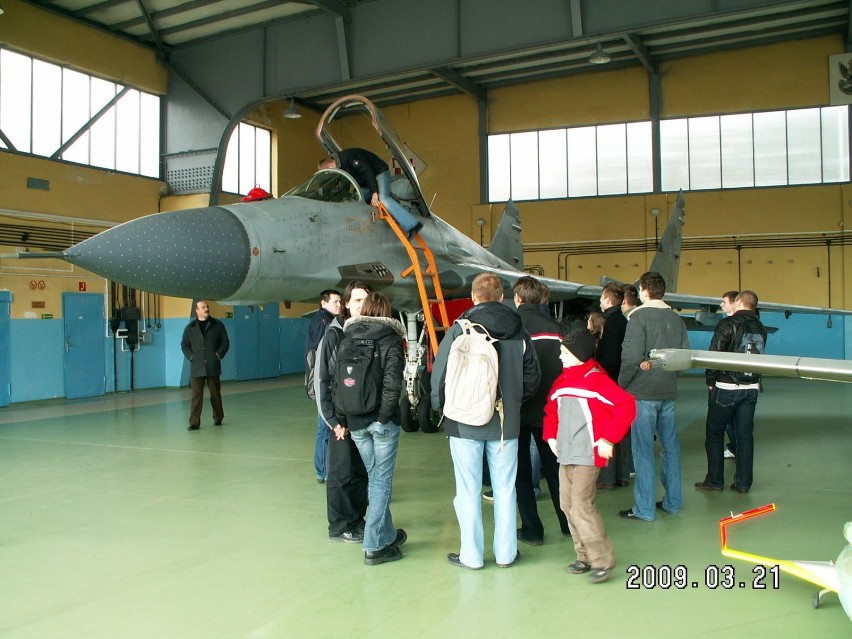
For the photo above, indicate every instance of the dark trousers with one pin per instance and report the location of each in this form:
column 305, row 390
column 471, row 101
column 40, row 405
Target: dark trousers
column 737, row 407
column 345, row 486
column 531, row 525
column 619, row 467
column 197, row 385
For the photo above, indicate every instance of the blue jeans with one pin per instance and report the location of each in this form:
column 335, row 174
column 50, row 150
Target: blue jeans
column 659, row 417
column 730, row 407
column 397, row 210
column 378, row 444
column 321, row 449
column 467, row 457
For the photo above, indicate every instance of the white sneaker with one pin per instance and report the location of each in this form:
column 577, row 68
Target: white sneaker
column 729, row 454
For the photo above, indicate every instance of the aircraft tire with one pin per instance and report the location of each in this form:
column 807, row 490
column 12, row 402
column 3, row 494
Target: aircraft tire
column 408, row 417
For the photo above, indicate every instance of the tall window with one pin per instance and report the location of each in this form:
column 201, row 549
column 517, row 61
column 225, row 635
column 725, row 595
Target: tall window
column 248, row 160
column 559, row 163
column 63, row 114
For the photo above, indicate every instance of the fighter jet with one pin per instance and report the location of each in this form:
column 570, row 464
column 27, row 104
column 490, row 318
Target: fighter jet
column 323, row 234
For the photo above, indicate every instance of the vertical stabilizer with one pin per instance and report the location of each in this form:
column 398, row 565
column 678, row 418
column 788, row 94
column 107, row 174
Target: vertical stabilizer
column 506, row 243
column 666, row 260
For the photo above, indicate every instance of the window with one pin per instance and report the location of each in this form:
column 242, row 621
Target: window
column 248, row 160
column 743, row 150
column 558, row 163
column 63, row 114
column 801, row 146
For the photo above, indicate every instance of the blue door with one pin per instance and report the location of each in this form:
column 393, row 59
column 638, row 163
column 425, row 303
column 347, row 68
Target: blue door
column 5, row 348
column 255, row 341
column 83, row 319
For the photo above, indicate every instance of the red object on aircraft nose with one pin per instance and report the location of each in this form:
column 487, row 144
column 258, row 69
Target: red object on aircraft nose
column 257, row 193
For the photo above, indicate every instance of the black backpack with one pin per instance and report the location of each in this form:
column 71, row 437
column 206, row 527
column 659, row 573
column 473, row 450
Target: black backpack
column 357, row 388
column 749, row 338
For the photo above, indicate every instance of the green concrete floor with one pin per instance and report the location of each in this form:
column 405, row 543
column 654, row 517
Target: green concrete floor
column 117, row 522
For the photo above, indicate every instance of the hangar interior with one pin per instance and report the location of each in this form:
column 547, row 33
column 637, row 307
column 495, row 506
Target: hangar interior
column 119, row 523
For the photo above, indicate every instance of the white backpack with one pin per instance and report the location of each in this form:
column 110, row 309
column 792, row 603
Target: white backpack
column 471, row 383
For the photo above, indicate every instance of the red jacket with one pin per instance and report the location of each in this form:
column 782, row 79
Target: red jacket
column 609, row 411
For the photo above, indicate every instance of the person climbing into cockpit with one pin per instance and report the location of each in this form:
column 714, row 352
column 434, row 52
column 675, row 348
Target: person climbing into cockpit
column 373, row 176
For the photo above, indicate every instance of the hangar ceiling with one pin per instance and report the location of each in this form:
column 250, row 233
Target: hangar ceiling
column 631, row 32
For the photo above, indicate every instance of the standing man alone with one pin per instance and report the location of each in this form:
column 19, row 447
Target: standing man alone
column 205, row 342
column 733, row 396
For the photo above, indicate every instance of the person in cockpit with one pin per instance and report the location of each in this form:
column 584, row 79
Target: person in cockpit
column 372, row 175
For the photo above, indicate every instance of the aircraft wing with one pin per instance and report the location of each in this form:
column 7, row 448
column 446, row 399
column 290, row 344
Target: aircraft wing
column 680, row 301
column 679, row 359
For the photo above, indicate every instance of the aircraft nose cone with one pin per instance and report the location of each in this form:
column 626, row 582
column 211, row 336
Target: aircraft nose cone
column 196, row 253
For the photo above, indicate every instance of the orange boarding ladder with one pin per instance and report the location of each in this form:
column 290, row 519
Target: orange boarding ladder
column 420, row 275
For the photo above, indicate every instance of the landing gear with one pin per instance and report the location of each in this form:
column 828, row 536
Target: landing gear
column 415, row 404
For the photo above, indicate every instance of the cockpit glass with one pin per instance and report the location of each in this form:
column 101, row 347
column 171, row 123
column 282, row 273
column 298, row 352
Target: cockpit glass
column 329, row 185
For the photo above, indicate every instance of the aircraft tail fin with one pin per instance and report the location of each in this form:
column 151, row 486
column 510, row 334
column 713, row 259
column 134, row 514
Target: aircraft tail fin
column 506, row 243
column 666, row 261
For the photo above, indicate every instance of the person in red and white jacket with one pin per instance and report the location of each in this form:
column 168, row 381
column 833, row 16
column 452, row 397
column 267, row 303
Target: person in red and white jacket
column 585, row 415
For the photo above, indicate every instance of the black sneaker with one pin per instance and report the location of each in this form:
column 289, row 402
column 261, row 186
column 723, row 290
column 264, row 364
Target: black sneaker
column 349, row 537
column 401, row 538
column 191, row 427
column 376, row 557
column 488, row 495
column 532, row 542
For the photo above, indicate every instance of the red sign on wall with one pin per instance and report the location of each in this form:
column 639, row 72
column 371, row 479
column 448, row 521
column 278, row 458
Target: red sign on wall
column 81, row 286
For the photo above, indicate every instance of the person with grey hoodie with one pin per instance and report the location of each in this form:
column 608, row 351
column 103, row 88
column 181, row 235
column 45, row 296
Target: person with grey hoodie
column 652, row 325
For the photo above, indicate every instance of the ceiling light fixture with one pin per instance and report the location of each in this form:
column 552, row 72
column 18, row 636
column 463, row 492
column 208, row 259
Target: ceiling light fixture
column 599, row 56
column 2, row 11
column 292, row 113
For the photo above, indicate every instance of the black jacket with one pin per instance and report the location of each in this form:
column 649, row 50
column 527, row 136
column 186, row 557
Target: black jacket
column 609, row 347
column 519, row 372
column 725, row 341
column 205, row 350
column 546, row 335
column 388, row 334
column 364, row 166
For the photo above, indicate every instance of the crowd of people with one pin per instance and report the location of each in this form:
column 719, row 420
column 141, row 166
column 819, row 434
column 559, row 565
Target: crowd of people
column 581, row 400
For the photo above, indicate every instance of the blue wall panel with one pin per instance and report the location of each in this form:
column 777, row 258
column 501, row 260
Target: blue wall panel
column 292, row 349
column 37, row 356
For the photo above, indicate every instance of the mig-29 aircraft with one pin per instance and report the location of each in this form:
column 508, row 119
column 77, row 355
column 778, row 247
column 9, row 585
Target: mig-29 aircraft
column 322, row 234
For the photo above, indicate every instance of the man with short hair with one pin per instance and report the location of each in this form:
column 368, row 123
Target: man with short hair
column 497, row 441
column 631, row 300
column 546, row 335
column 328, row 310
column 617, row 470
column 204, row 344
column 733, row 397
column 652, row 325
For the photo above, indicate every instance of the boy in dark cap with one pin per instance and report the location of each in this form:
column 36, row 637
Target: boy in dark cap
column 585, row 415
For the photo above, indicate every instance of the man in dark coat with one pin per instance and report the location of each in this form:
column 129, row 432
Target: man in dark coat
column 205, row 342
column 618, row 468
